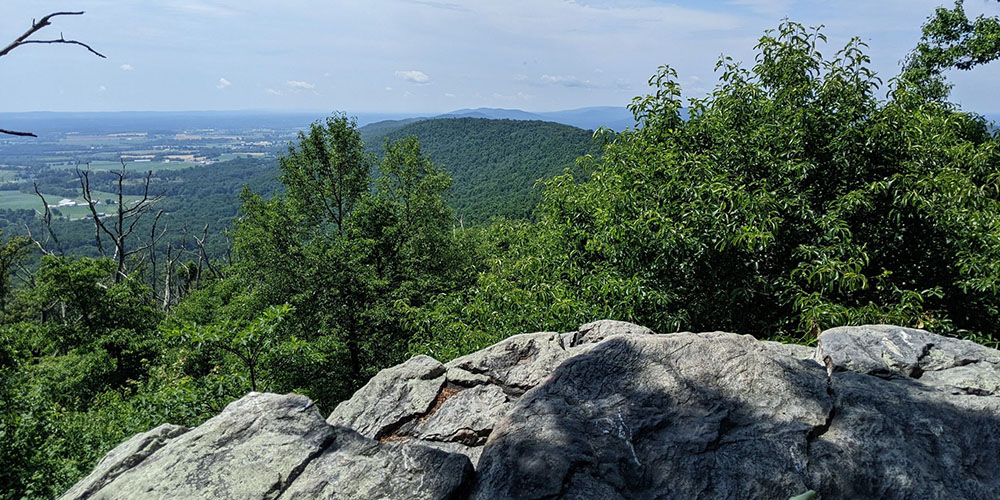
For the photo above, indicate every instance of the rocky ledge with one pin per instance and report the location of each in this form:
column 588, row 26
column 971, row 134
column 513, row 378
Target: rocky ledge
column 611, row 411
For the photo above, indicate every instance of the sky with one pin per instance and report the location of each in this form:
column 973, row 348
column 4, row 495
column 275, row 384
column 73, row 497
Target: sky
column 415, row 56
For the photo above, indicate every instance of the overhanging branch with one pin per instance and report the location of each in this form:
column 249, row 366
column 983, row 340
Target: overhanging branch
column 14, row 132
column 24, row 40
column 43, row 22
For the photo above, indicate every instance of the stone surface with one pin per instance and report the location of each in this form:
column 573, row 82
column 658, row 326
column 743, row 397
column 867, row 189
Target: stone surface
column 891, row 351
column 902, row 439
column 609, row 412
column 267, row 446
column 465, row 378
column 253, row 449
column 517, row 363
column 672, row 416
column 476, row 392
column 392, row 398
column 792, row 350
column 467, row 417
column 708, row 416
column 124, row 457
column 356, row 468
column 598, row 331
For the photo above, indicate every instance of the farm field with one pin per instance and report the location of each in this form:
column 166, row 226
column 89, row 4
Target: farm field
column 9, row 175
column 11, row 199
column 133, row 166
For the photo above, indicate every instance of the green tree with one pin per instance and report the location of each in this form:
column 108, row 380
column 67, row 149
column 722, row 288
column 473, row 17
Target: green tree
column 790, row 200
column 351, row 262
column 13, row 251
column 253, row 345
column 950, row 41
column 327, row 172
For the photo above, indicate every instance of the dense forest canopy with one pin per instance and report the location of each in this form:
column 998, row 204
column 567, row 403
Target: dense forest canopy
column 495, row 165
column 802, row 192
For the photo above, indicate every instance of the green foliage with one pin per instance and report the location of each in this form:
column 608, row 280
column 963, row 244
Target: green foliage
column 350, row 262
column 72, row 342
column 328, row 171
column 950, row 41
column 13, row 251
column 258, row 346
column 791, row 200
column 495, row 165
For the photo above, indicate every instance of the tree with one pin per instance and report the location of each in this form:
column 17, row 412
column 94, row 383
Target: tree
column 12, row 252
column 328, row 171
column 790, row 200
column 125, row 219
column 351, row 260
column 950, row 41
column 253, row 344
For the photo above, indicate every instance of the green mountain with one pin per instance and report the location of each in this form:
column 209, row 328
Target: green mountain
column 495, row 164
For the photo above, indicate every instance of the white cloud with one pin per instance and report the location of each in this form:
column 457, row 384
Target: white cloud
column 388, row 89
column 273, row 92
column 414, row 76
column 300, row 85
column 126, row 67
column 102, row 88
column 449, row 94
column 223, row 83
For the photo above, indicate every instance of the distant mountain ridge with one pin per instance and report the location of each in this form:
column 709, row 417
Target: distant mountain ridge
column 617, row 118
column 53, row 122
column 494, row 164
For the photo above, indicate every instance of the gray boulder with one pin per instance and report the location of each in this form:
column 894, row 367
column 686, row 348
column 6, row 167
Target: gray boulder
column 124, row 457
column 517, row 363
column 392, row 398
column 454, row 408
column 598, row 331
column 707, row 416
column 253, row 449
column 673, row 416
column 890, row 351
column 260, row 446
column 356, row 468
column 902, row 439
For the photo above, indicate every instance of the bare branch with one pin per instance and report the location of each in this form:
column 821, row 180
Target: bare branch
column 47, row 220
column 23, row 40
column 14, row 132
column 84, row 177
column 39, row 244
column 70, row 42
column 43, row 22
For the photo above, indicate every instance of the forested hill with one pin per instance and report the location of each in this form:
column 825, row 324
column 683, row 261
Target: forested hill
column 494, row 164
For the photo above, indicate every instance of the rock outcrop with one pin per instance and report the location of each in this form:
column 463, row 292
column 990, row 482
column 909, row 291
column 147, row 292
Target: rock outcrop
column 267, row 446
column 611, row 411
column 454, row 406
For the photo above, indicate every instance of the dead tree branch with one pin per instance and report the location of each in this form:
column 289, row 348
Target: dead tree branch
column 47, row 221
column 24, row 40
column 203, row 255
column 126, row 217
column 14, row 132
column 37, row 26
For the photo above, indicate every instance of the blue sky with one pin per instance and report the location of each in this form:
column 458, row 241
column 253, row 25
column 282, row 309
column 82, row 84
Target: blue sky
column 421, row 55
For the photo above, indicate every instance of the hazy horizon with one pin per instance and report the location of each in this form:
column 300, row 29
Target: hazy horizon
column 421, row 56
